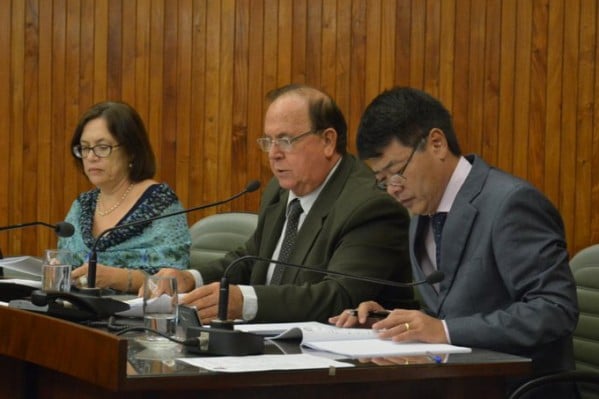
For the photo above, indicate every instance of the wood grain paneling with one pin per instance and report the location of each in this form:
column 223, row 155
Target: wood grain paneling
column 520, row 77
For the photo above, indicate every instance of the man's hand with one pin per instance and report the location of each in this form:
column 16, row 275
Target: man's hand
column 348, row 318
column 407, row 325
column 205, row 299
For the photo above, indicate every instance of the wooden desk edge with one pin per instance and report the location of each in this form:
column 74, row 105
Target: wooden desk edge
column 372, row 374
column 65, row 347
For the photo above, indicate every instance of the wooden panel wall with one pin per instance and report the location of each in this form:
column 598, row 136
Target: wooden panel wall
column 520, row 77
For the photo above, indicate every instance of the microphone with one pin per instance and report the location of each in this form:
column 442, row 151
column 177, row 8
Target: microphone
column 62, row 229
column 222, row 339
column 223, row 300
column 93, row 259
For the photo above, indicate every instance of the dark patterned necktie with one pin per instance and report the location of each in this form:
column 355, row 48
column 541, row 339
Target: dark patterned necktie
column 438, row 220
column 294, row 211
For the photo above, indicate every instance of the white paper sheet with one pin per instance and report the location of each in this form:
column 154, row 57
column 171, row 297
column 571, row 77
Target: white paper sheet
column 243, row 364
column 136, row 305
column 377, row 348
column 307, row 331
column 24, row 264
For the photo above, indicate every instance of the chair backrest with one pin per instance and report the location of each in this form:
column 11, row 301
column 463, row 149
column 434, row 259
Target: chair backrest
column 585, row 267
column 215, row 235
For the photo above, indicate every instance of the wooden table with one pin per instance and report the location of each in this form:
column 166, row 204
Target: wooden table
column 44, row 357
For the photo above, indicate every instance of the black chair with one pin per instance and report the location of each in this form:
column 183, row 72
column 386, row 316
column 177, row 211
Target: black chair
column 580, row 377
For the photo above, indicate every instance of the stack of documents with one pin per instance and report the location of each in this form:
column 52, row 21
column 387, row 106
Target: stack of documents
column 23, row 273
column 24, row 264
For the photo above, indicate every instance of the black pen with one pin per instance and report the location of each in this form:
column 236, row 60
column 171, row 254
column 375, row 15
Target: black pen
column 375, row 314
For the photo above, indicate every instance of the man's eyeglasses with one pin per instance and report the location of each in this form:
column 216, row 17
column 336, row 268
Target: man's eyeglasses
column 284, row 143
column 100, row 150
column 397, row 179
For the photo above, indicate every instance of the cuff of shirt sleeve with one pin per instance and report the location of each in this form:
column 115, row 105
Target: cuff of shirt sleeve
column 446, row 332
column 197, row 277
column 250, row 302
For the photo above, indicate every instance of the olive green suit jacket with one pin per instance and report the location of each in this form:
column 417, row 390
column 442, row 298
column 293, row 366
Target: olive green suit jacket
column 352, row 228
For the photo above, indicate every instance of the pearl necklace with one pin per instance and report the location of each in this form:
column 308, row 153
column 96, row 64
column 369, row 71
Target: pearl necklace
column 118, row 203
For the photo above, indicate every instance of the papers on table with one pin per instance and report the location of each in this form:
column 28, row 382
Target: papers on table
column 381, row 348
column 24, row 264
column 136, row 305
column 238, row 364
column 349, row 342
column 307, row 331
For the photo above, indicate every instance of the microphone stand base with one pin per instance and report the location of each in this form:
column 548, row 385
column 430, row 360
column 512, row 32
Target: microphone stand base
column 223, row 324
column 88, row 291
column 212, row 341
column 77, row 307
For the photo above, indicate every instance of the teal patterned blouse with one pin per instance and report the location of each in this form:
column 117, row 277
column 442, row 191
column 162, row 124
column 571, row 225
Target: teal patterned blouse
column 163, row 243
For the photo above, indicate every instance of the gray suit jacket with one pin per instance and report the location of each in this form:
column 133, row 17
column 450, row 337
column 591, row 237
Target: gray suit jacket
column 508, row 285
column 352, row 228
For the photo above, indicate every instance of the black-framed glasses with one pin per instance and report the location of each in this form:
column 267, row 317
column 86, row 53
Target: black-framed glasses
column 99, row 150
column 284, row 143
column 398, row 178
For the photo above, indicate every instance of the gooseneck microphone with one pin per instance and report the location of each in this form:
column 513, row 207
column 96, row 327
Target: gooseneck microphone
column 223, row 322
column 93, row 259
column 62, row 229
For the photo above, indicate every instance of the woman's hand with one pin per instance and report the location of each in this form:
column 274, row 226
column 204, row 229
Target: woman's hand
column 106, row 277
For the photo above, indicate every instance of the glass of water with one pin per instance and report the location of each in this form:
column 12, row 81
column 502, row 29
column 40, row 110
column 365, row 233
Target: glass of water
column 160, row 306
column 56, row 270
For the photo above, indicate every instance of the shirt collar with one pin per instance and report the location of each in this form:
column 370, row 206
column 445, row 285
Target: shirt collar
column 458, row 177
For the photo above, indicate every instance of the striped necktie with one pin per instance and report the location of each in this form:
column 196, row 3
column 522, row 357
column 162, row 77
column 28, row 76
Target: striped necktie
column 294, row 211
column 437, row 221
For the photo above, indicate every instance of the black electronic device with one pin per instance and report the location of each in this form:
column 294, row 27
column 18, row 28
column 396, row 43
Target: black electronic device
column 188, row 317
column 10, row 291
column 223, row 342
column 75, row 307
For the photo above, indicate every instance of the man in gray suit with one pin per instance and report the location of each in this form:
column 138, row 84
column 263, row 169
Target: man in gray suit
column 346, row 225
column 508, row 285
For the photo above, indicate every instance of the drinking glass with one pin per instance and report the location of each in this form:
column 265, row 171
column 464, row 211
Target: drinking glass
column 56, row 270
column 160, row 306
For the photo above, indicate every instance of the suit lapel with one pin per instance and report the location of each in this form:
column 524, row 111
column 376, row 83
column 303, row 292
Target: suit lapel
column 458, row 225
column 455, row 236
column 274, row 218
